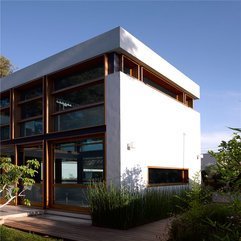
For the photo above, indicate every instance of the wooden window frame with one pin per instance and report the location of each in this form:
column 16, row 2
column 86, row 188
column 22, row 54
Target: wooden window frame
column 135, row 74
column 185, row 181
column 7, row 108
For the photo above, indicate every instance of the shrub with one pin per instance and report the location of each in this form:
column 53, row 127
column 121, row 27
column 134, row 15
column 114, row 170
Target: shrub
column 211, row 222
column 122, row 209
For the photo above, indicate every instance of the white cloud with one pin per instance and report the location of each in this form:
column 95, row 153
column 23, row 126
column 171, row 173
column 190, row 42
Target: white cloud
column 211, row 140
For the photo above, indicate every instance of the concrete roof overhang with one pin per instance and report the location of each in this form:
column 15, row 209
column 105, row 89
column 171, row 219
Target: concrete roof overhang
column 117, row 39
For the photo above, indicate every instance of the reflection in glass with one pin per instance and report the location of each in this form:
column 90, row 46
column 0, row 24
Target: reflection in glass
column 30, row 109
column 89, row 95
column 31, row 93
column 4, row 117
column 80, row 162
column 158, row 176
column 71, row 196
column 4, row 102
column 30, row 153
column 31, row 128
column 81, row 77
column 5, row 133
column 6, row 151
column 79, row 119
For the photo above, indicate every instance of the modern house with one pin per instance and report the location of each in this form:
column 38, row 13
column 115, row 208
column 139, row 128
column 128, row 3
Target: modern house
column 108, row 109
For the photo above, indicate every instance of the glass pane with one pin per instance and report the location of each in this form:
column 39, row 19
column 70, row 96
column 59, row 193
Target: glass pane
column 35, row 193
column 5, row 132
column 81, row 77
column 31, row 93
column 4, row 117
column 78, row 98
column 93, row 169
column 31, row 109
column 80, row 119
column 159, row 87
column 30, row 153
column 166, row 176
column 75, row 164
column 75, row 196
column 31, row 128
column 7, row 151
column 4, row 102
column 69, row 171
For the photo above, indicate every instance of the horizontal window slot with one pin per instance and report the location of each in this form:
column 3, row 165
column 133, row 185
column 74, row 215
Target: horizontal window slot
column 79, row 86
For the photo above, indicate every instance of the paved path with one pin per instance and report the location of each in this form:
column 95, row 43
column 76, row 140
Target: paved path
column 70, row 230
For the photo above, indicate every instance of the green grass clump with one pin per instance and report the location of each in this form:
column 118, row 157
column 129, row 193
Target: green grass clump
column 123, row 209
column 9, row 234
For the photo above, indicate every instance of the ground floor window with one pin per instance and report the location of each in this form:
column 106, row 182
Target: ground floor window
column 76, row 165
column 25, row 153
column 167, row 176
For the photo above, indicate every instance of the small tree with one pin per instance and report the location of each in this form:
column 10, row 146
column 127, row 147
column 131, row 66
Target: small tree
column 228, row 160
column 6, row 66
column 15, row 180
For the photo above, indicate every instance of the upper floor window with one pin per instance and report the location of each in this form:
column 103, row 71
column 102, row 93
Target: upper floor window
column 130, row 67
column 29, row 109
column 78, row 96
column 31, row 93
column 77, row 75
column 5, row 116
column 4, row 102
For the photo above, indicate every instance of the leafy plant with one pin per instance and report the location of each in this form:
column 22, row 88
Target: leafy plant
column 15, row 180
column 228, row 160
column 211, row 222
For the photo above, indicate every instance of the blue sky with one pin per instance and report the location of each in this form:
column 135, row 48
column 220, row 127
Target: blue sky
column 200, row 38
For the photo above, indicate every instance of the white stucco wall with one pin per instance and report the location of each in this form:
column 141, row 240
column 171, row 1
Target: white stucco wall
column 112, row 119
column 162, row 132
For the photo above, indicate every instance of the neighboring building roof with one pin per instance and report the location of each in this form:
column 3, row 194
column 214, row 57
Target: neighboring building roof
column 117, row 39
column 207, row 160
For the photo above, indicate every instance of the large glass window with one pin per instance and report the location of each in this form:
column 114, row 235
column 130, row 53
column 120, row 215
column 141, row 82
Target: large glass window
column 5, row 116
column 30, row 153
column 78, row 96
column 30, row 108
column 74, row 99
column 6, row 151
column 30, row 128
column 80, row 119
column 77, row 164
column 167, row 176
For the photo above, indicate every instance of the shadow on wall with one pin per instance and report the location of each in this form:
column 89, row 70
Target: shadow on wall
column 132, row 179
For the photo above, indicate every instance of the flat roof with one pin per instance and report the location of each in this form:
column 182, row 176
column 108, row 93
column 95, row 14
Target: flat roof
column 117, row 39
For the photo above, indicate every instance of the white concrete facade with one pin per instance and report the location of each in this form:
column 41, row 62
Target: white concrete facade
column 144, row 127
column 147, row 128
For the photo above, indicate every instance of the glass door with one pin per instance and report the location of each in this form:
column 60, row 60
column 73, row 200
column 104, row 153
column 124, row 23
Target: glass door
column 35, row 193
column 76, row 165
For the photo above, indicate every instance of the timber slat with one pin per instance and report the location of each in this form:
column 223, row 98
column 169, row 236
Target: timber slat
column 86, row 232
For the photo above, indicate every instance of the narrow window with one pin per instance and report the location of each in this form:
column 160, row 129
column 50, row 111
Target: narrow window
column 167, row 176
